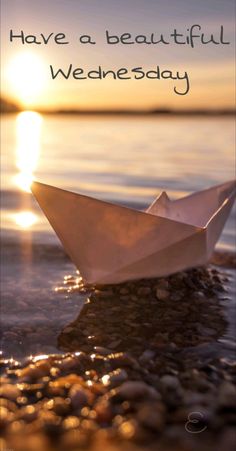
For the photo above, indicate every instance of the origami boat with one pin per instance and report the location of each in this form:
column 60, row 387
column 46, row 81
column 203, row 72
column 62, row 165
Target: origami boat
column 110, row 244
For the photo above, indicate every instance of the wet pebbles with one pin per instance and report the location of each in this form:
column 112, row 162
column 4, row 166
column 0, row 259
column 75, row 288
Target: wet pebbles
column 175, row 312
column 128, row 379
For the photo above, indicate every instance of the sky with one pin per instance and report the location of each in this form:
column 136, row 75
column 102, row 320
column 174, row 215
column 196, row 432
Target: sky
column 26, row 75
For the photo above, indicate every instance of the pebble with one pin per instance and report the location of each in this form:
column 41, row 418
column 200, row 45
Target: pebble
column 162, row 294
column 104, row 411
column 34, row 371
column 124, row 291
column 114, row 344
column 68, row 364
column 163, row 284
column 122, row 359
column 128, row 429
column 68, row 330
column 199, row 295
column 143, row 291
column 133, row 390
column 170, row 382
column 115, row 377
column 226, row 395
column 152, row 416
column 78, row 396
column 28, row 413
column 9, row 391
column 146, row 356
column 101, row 350
column 59, row 405
column 71, row 422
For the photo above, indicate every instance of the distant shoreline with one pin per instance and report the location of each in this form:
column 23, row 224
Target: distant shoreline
column 11, row 107
column 154, row 112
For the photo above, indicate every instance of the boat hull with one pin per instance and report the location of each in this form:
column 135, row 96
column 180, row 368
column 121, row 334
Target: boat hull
column 110, row 244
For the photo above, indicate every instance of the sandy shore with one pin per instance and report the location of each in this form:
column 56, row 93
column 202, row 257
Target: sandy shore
column 144, row 367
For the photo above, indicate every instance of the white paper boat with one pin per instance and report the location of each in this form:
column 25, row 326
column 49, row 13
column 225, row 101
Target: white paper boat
column 109, row 243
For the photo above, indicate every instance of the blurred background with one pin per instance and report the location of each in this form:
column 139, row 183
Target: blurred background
column 121, row 141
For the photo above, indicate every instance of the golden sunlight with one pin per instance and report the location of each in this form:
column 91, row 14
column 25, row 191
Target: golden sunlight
column 25, row 219
column 28, row 131
column 27, row 76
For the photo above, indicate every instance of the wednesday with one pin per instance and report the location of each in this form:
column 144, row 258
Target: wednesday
column 136, row 73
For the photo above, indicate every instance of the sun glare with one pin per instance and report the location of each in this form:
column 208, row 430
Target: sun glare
column 25, row 219
column 26, row 75
column 28, row 131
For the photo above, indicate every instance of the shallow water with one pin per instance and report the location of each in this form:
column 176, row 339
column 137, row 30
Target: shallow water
column 120, row 159
column 32, row 313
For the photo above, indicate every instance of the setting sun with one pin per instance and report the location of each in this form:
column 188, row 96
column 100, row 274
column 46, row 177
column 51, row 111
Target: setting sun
column 26, row 76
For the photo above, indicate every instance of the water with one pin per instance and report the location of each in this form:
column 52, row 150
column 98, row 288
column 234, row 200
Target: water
column 126, row 160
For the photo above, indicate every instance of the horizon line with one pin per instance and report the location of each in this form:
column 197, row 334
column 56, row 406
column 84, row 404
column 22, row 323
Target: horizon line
column 7, row 107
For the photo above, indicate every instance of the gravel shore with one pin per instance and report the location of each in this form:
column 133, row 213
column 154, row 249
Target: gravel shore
column 134, row 374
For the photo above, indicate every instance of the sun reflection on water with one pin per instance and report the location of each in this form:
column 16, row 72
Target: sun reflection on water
column 25, row 219
column 28, row 133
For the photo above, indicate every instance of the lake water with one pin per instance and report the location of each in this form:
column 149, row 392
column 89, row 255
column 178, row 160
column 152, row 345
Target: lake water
column 127, row 160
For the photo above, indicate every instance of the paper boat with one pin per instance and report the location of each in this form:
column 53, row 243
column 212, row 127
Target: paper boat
column 110, row 244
